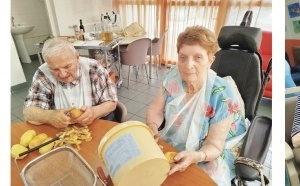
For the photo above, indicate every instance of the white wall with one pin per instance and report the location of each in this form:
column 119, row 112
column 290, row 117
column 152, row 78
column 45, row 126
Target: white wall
column 64, row 14
column 17, row 75
column 31, row 12
column 289, row 28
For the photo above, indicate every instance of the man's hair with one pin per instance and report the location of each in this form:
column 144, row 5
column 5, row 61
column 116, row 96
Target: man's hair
column 56, row 46
column 198, row 35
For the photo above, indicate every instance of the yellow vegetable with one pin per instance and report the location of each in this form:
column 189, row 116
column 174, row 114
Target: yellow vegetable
column 37, row 140
column 170, row 156
column 27, row 137
column 16, row 150
column 46, row 148
column 75, row 113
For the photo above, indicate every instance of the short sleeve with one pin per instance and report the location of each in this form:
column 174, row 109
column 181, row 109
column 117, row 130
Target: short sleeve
column 40, row 93
column 224, row 100
column 103, row 88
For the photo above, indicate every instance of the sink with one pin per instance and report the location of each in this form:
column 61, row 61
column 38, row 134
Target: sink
column 17, row 33
column 21, row 29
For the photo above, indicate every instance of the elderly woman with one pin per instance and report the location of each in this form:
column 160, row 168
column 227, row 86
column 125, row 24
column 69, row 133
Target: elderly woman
column 204, row 115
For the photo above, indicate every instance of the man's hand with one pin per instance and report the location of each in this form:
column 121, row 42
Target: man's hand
column 184, row 159
column 87, row 117
column 59, row 118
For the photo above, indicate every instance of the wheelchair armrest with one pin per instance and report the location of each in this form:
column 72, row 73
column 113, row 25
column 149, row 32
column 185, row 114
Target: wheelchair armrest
column 255, row 146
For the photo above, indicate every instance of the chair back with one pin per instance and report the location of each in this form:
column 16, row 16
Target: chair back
column 156, row 45
column 239, row 59
column 120, row 112
column 136, row 52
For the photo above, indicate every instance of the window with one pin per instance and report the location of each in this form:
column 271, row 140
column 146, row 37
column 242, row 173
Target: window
column 156, row 16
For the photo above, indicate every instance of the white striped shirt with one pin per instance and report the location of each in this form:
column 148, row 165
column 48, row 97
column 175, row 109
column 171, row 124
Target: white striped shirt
column 296, row 123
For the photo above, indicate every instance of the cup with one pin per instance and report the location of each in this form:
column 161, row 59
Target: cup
column 107, row 36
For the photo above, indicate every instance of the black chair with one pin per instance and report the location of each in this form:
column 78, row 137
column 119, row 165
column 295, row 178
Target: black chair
column 247, row 18
column 239, row 59
column 120, row 112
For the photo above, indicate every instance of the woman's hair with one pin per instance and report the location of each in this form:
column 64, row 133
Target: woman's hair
column 198, row 35
column 56, row 46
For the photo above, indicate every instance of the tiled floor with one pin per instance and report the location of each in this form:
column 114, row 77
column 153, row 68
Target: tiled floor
column 136, row 99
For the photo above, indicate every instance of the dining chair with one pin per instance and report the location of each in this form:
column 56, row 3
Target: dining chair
column 135, row 55
column 156, row 50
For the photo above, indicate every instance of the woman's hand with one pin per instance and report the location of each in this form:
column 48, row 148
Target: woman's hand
column 184, row 159
column 59, row 118
column 87, row 117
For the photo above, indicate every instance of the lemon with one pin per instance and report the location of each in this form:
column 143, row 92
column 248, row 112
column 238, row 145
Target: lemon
column 170, row 156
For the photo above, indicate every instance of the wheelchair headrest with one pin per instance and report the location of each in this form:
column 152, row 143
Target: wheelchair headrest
column 241, row 37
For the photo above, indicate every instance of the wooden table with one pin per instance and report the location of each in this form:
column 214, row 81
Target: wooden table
column 193, row 175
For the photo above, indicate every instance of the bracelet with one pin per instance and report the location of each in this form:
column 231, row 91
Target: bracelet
column 204, row 154
column 152, row 123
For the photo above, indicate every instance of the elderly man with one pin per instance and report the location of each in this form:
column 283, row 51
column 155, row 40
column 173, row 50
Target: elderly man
column 66, row 81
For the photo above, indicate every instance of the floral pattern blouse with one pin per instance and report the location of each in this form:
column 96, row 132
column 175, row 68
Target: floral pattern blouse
column 222, row 101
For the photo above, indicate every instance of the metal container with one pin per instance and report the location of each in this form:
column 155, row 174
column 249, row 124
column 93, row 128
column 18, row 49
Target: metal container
column 60, row 166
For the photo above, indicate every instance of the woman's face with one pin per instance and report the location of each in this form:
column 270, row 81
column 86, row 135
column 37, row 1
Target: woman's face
column 64, row 66
column 193, row 63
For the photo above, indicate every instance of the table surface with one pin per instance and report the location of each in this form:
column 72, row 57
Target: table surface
column 193, row 175
column 98, row 44
column 128, row 40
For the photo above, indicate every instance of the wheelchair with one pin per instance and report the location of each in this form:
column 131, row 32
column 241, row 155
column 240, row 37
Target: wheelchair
column 239, row 58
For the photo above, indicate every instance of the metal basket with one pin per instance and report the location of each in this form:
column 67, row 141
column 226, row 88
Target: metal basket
column 61, row 166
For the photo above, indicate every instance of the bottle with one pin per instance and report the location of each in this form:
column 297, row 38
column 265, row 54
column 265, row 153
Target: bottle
column 107, row 34
column 81, row 28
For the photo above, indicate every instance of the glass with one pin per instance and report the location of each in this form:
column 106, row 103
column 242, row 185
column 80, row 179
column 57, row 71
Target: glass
column 107, row 34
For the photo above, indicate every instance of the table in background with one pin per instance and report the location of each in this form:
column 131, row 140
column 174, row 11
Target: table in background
column 105, row 46
column 192, row 176
column 128, row 40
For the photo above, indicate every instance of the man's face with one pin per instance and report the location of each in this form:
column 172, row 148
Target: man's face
column 64, row 66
